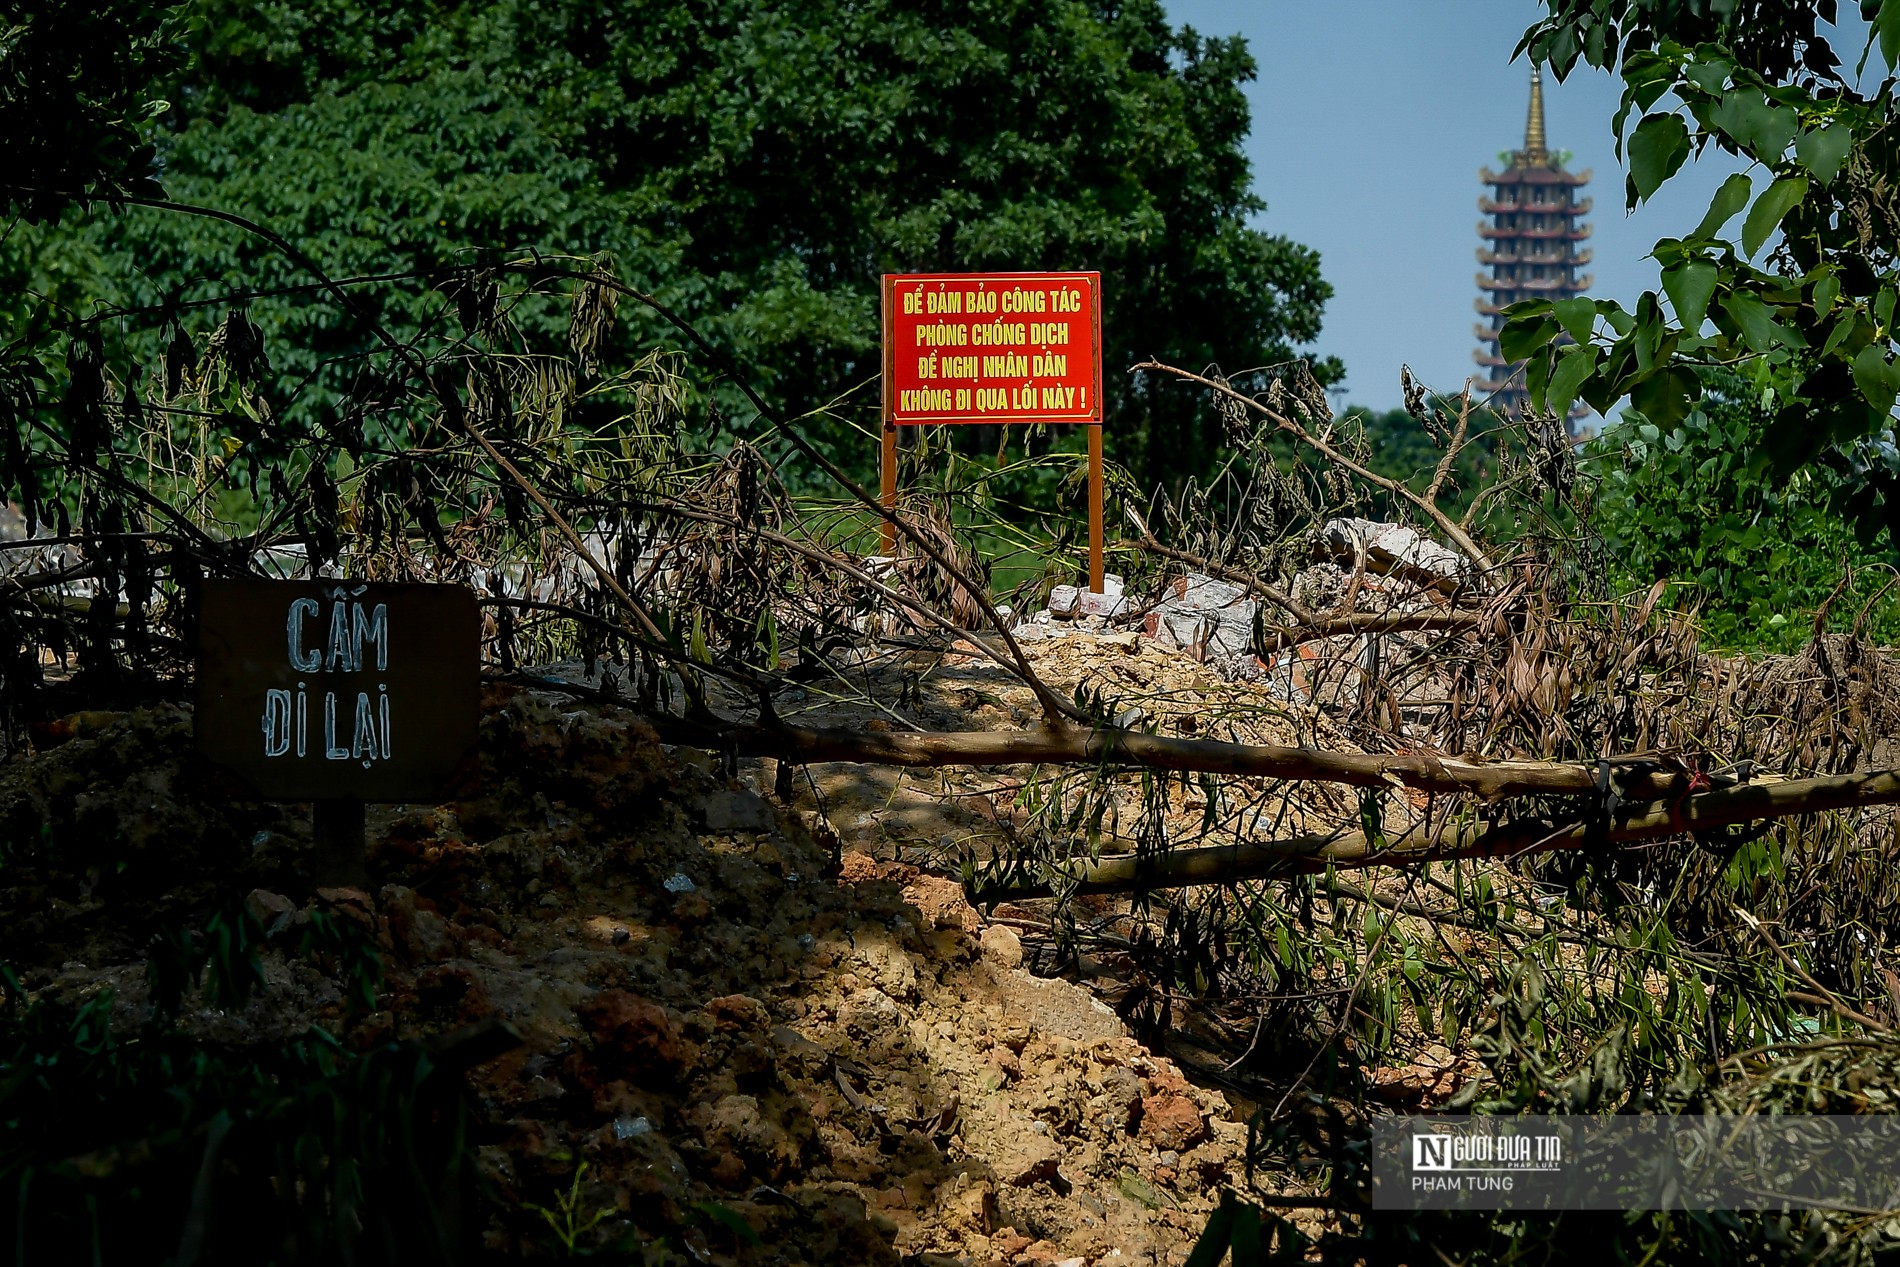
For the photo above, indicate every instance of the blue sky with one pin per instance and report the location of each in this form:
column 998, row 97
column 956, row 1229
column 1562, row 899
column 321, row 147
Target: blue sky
column 1370, row 121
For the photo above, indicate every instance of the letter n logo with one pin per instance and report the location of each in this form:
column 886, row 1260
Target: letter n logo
column 1431, row 1152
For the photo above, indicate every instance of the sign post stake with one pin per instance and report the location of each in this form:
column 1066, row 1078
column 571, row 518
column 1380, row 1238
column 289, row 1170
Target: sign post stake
column 342, row 855
column 1095, row 507
column 888, row 468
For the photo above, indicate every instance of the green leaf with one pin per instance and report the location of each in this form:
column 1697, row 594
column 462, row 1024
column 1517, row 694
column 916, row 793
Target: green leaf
column 1741, row 114
column 1649, row 331
column 1690, row 287
column 1710, row 77
column 1877, row 379
column 730, row 1219
column 1665, row 397
column 1846, row 326
column 1757, row 321
column 1823, row 150
column 1755, row 123
column 1601, row 390
column 1577, row 316
column 1523, row 335
column 1249, row 1245
column 1647, row 76
column 1888, row 25
column 1537, row 374
column 1766, row 215
column 1657, row 149
column 1574, row 366
column 1729, row 199
column 1826, row 291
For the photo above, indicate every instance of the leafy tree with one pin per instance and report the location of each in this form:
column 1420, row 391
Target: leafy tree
column 1809, row 326
column 755, row 166
column 1764, row 559
column 76, row 86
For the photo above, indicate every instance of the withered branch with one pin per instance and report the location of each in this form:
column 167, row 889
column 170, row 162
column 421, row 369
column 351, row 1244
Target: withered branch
column 1398, row 488
column 1297, row 855
column 1109, row 746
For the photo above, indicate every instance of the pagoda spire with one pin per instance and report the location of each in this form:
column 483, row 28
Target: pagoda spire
column 1536, row 152
column 1533, row 234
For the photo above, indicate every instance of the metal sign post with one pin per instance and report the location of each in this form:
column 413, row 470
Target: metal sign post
column 338, row 693
column 994, row 347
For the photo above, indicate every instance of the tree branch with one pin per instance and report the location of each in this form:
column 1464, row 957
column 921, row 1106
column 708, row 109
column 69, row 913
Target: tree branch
column 1267, row 859
column 1398, row 488
column 1110, row 746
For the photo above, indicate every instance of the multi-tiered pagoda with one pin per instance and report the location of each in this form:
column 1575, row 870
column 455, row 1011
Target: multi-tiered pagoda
column 1532, row 230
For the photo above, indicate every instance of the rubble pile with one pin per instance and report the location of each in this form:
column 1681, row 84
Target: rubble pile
column 1394, row 550
column 1360, row 566
column 718, row 1010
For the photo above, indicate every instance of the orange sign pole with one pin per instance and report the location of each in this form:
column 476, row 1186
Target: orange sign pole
column 887, row 448
column 1095, row 507
column 888, row 468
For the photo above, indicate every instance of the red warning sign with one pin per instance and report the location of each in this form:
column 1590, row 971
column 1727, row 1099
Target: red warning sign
column 992, row 347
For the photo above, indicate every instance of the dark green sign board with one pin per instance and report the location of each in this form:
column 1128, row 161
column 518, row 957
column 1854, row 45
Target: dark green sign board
column 338, row 690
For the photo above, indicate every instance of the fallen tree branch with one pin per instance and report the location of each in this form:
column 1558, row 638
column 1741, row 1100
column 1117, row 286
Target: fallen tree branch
column 1110, row 746
column 1224, row 864
column 1371, row 622
column 1822, row 995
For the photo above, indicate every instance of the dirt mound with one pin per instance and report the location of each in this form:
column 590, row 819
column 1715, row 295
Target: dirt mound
column 741, row 1033
column 111, row 835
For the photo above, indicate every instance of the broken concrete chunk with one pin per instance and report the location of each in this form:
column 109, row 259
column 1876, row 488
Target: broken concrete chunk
column 1203, row 593
column 1393, row 550
column 1212, row 620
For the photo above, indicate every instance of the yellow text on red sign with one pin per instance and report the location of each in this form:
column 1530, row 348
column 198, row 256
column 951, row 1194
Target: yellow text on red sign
column 993, row 347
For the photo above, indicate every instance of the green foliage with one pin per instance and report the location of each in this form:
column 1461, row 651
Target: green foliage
column 77, row 84
column 569, row 1219
column 755, row 166
column 224, row 954
column 117, row 1139
column 1400, row 449
column 1810, row 327
column 1758, row 554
